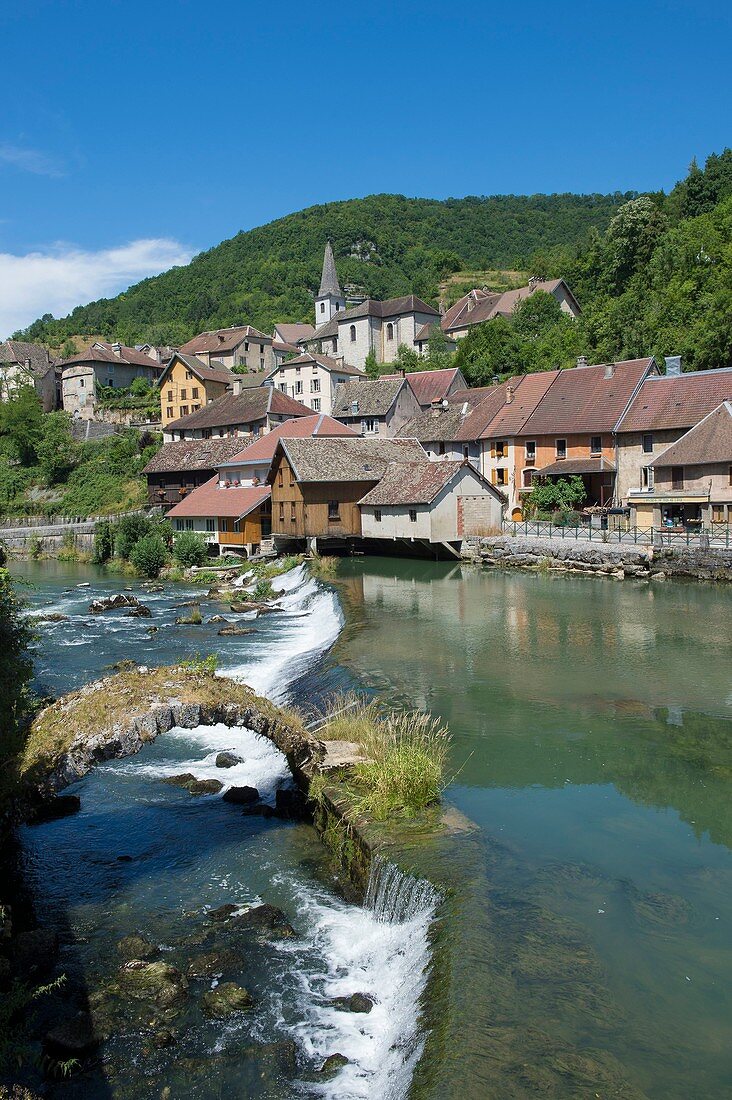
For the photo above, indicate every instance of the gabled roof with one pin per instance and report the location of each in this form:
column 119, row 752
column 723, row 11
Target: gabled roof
column 417, row 483
column 307, row 358
column 709, row 441
column 290, row 332
column 223, row 339
column 101, row 352
column 587, row 399
column 527, row 393
column 18, row 351
column 482, row 305
column 374, row 397
column 392, row 307
column 428, row 385
column 465, row 419
column 329, row 279
column 426, row 332
column 244, row 408
column 229, row 502
column 677, row 401
column 198, row 369
column 357, row 459
column 326, row 331
column 192, row 454
column 290, row 349
column 300, row 427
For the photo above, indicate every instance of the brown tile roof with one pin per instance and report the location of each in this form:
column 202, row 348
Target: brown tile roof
column 17, row 351
column 578, row 466
column 192, row 454
column 326, row 331
column 482, row 305
column 292, row 332
column 307, row 358
column 677, row 401
column 374, row 396
column 709, row 441
column 358, row 459
column 279, row 345
column 299, row 427
column 392, row 307
column 103, row 353
column 244, row 408
column 233, row 502
column 412, row 483
column 528, row 391
column 583, row 399
column 201, row 371
column 223, row 339
column 465, row 419
column 427, row 385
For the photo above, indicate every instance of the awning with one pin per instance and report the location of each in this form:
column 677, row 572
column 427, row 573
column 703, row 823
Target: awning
column 578, row 466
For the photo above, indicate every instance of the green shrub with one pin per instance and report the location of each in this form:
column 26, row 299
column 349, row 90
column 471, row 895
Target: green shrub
column 190, row 548
column 103, row 542
column 566, row 517
column 129, row 530
column 200, row 665
column 193, row 618
column 35, row 547
column 262, row 591
column 149, row 555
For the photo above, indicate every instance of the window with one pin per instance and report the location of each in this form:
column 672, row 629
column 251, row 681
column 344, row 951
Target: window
column 169, row 412
column 316, row 404
column 322, row 307
column 377, row 515
column 195, row 408
column 189, row 375
column 194, row 392
column 677, row 477
column 280, row 477
column 81, row 383
column 595, row 444
column 261, row 364
column 412, row 515
column 647, row 443
column 170, row 395
column 283, row 387
column 500, row 448
column 390, row 331
column 530, row 450
column 110, row 381
column 333, row 510
column 528, row 478
column 183, row 395
column 298, row 387
column 210, row 525
column 335, row 343
column 292, row 513
column 647, row 477
column 297, row 370
column 730, row 475
column 184, row 410
column 315, row 385
column 246, row 345
column 282, row 512
column 189, row 525
column 179, row 525
column 501, row 476
column 369, row 426
column 353, row 334
column 224, row 525
column 561, row 448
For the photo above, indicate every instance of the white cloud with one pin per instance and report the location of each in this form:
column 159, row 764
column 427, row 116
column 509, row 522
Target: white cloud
column 56, row 280
column 31, row 160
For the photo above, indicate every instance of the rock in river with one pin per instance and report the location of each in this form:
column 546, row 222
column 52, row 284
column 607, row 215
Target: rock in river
column 113, row 603
column 226, row 999
column 212, row 964
column 332, row 1064
column 194, row 786
column 242, row 796
column 236, row 631
column 136, row 947
column 153, row 981
column 139, row 612
column 228, row 759
column 357, row 1002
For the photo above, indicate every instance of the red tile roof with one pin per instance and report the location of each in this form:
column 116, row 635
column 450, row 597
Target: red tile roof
column 482, row 305
column 247, row 407
column 223, row 339
column 103, row 353
column 709, row 441
column 586, row 399
column 677, row 401
column 528, row 391
column 210, row 500
column 263, row 449
column 428, row 385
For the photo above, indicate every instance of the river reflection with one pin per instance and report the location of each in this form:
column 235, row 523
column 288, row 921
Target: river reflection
column 592, row 727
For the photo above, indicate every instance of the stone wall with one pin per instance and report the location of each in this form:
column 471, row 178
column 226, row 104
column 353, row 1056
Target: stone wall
column 618, row 560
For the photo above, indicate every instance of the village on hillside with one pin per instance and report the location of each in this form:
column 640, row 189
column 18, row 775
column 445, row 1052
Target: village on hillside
column 292, row 439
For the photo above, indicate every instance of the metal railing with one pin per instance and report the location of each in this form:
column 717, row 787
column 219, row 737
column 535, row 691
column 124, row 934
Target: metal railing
column 716, row 535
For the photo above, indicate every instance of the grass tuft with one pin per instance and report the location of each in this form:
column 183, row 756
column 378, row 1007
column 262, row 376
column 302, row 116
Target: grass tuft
column 324, row 566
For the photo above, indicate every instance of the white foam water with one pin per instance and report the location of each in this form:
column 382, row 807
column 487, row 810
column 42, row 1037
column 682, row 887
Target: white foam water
column 306, row 627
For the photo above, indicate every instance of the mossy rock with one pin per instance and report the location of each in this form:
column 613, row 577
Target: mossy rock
column 357, row 1002
column 189, row 783
column 212, row 964
column 332, row 1064
column 136, row 947
column 225, row 1000
column 157, row 981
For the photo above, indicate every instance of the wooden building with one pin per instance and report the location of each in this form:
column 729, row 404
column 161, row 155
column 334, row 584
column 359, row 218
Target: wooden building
column 179, row 468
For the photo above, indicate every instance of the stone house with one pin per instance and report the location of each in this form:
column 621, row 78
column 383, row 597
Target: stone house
column 692, row 479
column 479, row 306
column 111, row 365
column 24, row 364
column 246, row 415
column 312, row 379
column 188, row 384
column 436, row 503
column 241, row 347
column 380, row 327
column 375, row 407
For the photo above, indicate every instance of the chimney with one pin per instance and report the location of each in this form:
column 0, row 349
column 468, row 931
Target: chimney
column 673, row 365
column 117, row 349
column 27, row 364
column 581, row 360
column 354, row 408
column 609, row 370
column 509, row 394
column 436, row 407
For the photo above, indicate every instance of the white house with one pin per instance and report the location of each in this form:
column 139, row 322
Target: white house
column 375, row 406
column 435, row 502
column 312, row 379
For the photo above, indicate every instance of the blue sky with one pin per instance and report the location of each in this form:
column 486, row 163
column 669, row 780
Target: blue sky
column 134, row 134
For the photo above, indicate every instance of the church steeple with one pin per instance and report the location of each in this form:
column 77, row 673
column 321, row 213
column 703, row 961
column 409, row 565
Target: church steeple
column 330, row 298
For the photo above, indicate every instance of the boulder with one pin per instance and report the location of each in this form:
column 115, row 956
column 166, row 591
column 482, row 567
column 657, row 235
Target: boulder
column 139, row 612
column 63, row 805
column 264, row 918
column 219, row 619
column 332, row 1064
column 228, row 759
column 194, row 786
column 74, row 1038
column 242, row 796
column 236, row 631
column 357, row 1002
column 226, row 999
column 242, row 607
column 151, row 630
column 213, row 964
column 52, row 617
column 153, row 981
column 137, row 947
column 223, row 912
column 113, row 603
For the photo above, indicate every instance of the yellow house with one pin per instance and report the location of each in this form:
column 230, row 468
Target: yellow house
column 187, row 384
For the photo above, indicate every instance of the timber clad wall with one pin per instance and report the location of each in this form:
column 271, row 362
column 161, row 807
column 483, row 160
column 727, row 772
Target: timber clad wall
column 302, row 511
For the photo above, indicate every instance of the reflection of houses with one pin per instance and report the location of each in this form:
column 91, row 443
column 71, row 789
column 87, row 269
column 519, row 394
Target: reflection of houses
column 691, row 483
column 250, row 413
column 665, row 407
column 179, row 468
column 187, row 384
column 112, row 365
column 23, row 364
column 312, row 379
column 375, row 406
column 479, row 306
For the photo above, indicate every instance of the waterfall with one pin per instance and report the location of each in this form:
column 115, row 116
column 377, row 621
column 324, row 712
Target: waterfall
column 395, row 897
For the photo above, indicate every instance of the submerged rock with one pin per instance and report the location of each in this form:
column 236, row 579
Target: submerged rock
column 236, row 631
column 357, row 1002
column 142, row 611
column 265, row 918
column 51, row 617
column 226, row 999
column 242, row 796
column 152, row 630
column 113, row 603
column 223, row 912
column 228, row 759
column 212, row 964
column 154, row 981
column 136, row 947
column 332, row 1064
column 194, row 786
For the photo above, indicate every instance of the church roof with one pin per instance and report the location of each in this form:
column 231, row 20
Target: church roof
column 329, row 280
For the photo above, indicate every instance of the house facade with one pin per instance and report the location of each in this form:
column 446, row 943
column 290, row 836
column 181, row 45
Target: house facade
column 188, row 384
column 111, row 365
column 312, row 379
column 245, row 415
column 24, row 364
column 479, row 306
column 241, row 348
column 375, row 407
column 232, row 518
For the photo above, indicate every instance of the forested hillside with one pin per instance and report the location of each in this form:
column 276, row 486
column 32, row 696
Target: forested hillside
column 388, row 244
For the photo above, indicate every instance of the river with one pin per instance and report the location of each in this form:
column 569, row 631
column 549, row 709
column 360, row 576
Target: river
column 589, row 931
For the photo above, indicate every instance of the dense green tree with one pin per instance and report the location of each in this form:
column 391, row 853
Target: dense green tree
column 149, row 555
column 57, row 453
column 21, row 424
column 190, row 548
column 371, row 367
column 491, row 351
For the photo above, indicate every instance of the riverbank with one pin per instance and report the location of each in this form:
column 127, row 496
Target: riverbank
column 601, row 559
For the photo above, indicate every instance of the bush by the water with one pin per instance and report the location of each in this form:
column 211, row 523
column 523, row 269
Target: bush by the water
column 190, row 548
column 149, row 555
column 16, row 670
